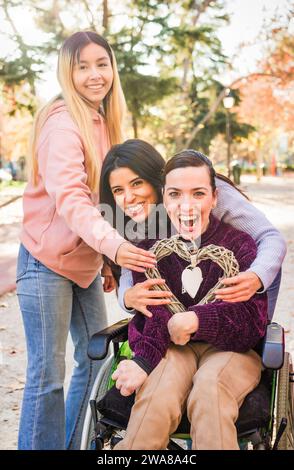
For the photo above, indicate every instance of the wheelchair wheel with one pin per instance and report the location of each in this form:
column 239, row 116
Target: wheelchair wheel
column 285, row 402
column 99, row 389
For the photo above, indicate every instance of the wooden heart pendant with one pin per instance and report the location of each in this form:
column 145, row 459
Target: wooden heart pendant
column 191, row 280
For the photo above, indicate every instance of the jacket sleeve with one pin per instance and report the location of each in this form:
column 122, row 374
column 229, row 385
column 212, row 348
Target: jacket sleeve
column 234, row 326
column 149, row 337
column 125, row 282
column 233, row 208
column 62, row 168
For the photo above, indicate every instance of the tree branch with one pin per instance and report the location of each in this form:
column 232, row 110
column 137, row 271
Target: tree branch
column 233, row 84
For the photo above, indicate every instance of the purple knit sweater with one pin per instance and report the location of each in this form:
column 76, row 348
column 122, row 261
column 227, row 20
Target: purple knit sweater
column 227, row 326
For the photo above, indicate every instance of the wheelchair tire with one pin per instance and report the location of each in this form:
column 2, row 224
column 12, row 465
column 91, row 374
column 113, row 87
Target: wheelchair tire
column 99, row 389
column 285, row 402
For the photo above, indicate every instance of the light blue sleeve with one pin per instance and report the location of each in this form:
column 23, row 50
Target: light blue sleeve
column 234, row 209
column 125, row 282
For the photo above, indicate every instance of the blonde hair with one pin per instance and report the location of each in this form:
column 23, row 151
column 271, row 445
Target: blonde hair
column 113, row 106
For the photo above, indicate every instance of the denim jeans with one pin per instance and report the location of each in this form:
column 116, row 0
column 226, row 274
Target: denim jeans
column 51, row 306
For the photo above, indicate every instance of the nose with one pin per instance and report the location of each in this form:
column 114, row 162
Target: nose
column 129, row 195
column 95, row 72
column 188, row 205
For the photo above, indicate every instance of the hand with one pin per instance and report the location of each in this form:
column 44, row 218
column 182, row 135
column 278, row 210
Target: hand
column 181, row 326
column 109, row 281
column 141, row 295
column 133, row 258
column 244, row 286
column 129, row 376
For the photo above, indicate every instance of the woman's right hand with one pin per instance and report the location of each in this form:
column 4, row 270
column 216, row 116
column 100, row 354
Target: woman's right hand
column 141, row 295
column 133, row 258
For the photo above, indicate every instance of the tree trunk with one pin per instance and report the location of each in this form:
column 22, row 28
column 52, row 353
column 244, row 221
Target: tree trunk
column 135, row 125
column 105, row 16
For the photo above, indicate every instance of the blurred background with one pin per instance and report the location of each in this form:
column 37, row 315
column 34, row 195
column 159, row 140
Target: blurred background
column 179, row 61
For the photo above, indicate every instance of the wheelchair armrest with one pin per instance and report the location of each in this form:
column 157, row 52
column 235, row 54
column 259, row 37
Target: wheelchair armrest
column 99, row 342
column 273, row 347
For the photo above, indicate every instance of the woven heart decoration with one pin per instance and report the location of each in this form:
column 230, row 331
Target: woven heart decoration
column 191, row 282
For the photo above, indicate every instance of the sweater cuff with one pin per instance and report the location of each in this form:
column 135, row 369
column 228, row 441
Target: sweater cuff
column 208, row 317
column 111, row 244
column 259, row 274
column 147, row 353
column 143, row 364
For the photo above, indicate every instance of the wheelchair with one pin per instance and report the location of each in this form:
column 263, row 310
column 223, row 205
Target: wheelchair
column 265, row 420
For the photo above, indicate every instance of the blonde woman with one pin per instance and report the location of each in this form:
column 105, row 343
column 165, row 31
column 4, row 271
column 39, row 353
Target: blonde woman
column 63, row 238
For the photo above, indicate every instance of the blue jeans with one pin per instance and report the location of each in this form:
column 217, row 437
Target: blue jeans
column 51, row 306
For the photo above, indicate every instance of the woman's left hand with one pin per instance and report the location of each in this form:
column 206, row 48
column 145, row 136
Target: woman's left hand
column 244, row 286
column 129, row 376
column 109, row 282
column 181, row 326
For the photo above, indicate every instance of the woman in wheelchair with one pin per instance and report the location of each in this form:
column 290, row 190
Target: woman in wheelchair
column 130, row 160
column 202, row 358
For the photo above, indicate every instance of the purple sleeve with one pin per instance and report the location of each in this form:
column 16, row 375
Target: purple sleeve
column 149, row 338
column 234, row 326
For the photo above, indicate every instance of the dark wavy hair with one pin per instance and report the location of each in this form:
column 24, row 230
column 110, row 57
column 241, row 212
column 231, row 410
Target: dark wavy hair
column 140, row 157
column 190, row 157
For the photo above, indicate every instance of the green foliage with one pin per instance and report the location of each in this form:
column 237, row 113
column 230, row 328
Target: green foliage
column 163, row 49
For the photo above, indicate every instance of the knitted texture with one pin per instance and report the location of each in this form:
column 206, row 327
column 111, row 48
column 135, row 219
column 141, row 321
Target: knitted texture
column 228, row 326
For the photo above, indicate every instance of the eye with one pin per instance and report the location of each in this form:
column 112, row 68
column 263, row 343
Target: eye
column 103, row 65
column 199, row 194
column 173, row 194
column 117, row 191
column 137, row 183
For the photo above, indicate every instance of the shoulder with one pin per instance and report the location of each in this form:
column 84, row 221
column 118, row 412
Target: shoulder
column 60, row 125
column 237, row 241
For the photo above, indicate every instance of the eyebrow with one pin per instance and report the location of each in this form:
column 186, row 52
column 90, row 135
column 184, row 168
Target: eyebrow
column 193, row 189
column 98, row 60
column 137, row 178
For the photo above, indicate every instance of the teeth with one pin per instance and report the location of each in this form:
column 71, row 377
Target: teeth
column 188, row 221
column 135, row 208
column 95, row 87
column 187, row 217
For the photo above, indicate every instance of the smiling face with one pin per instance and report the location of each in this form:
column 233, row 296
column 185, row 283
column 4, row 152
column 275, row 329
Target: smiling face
column 189, row 199
column 134, row 195
column 93, row 74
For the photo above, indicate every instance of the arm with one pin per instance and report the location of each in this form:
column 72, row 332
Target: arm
column 62, row 168
column 233, row 326
column 141, row 295
column 149, row 340
column 125, row 282
column 235, row 210
column 149, row 337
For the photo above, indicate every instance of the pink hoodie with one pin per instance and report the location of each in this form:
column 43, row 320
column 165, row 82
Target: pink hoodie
column 62, row 227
